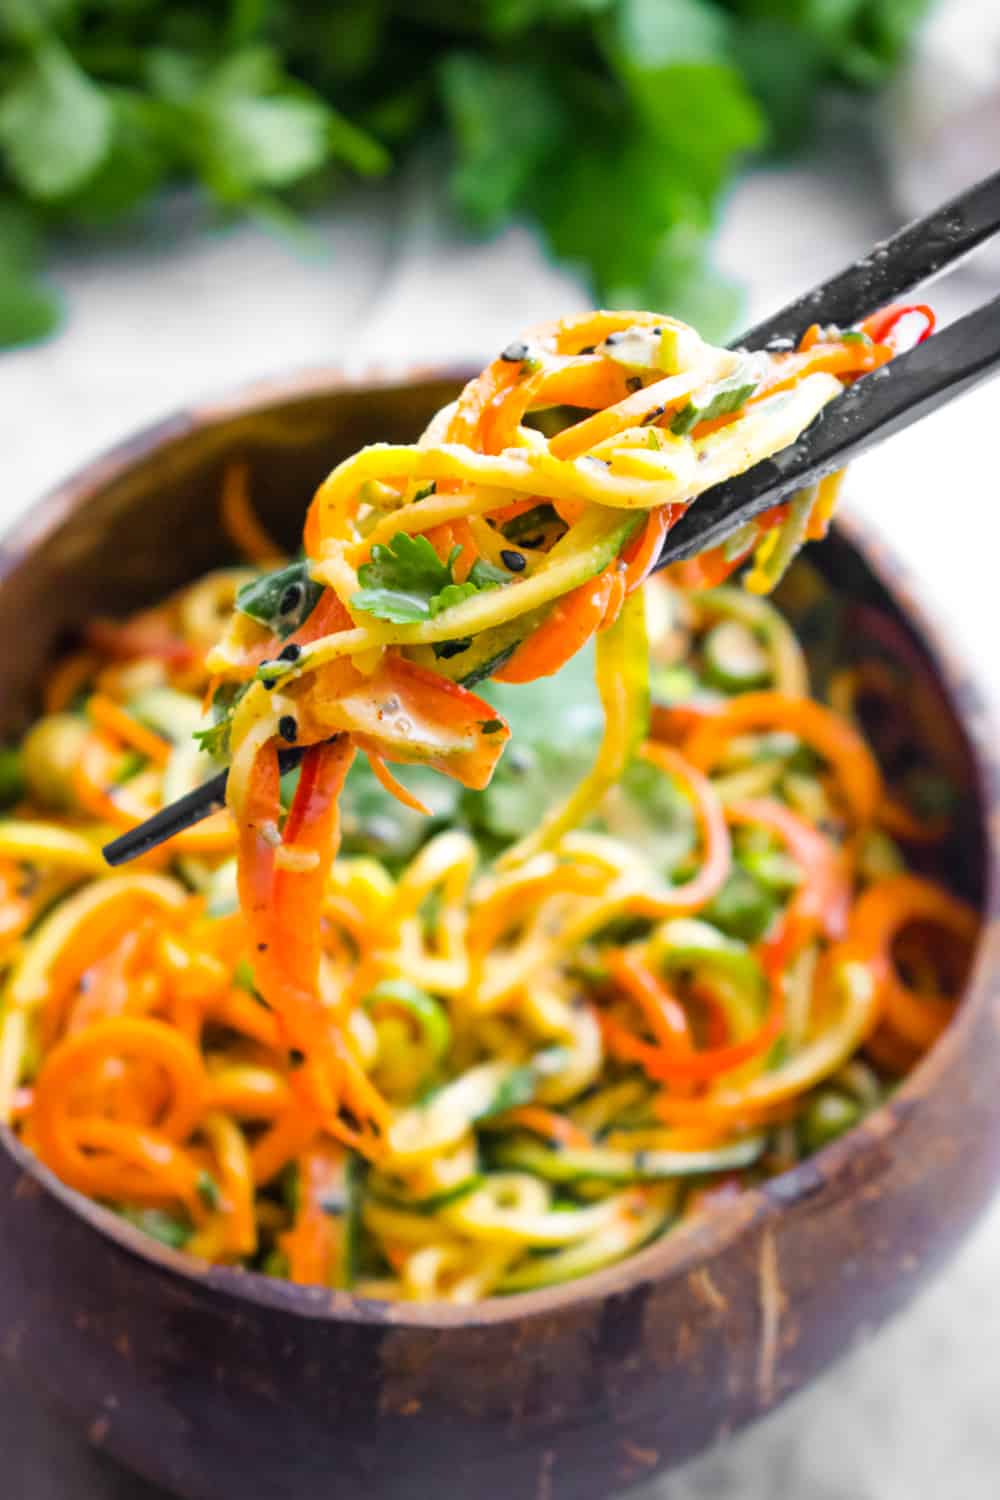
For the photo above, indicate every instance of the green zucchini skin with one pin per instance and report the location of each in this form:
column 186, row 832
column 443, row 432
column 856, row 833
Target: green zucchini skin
column 600, row 1164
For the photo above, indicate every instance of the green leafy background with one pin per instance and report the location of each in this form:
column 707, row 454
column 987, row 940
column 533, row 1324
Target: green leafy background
column 614, row 125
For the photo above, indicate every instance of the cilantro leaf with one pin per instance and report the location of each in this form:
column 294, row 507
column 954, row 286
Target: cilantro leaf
column 614, row 125
column 406, row 581
column 55, row 123
column 483, row 575
column 134, row 166
column 214, row 739
column 28, row 310
column 402, row 579
column 509, row 121
column 248, row 126
column 451, row 594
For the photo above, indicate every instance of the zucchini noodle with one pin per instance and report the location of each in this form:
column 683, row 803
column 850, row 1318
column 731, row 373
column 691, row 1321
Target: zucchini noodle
column 486, row 1044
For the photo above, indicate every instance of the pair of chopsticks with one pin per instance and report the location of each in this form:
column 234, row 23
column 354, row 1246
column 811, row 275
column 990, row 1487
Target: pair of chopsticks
column 875, row 407
column 937, row 371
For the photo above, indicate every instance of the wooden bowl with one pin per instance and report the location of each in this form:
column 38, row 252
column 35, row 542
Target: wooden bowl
column 228, row 1386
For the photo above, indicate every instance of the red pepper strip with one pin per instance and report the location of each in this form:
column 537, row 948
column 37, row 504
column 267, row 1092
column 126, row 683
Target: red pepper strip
column 821, row 901
column 572, row 622
column 664, row 1013
column 667, row 1065
column 641, row 552
column 134, row 638
column 900, row 327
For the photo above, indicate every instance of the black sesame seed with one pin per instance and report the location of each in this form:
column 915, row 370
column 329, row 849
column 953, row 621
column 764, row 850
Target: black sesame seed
column 589, row 349
column 445, row 649
column 614, row 338
column 634, row 383
column 658, row 329
column 512, row 560
column 288, row 728
column 291, row 599
column 652, row 416
column 515, row 352
column 291, row 652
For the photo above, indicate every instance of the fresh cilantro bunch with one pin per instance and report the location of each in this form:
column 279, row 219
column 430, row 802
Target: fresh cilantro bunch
column 406, row 581
column 613, row 124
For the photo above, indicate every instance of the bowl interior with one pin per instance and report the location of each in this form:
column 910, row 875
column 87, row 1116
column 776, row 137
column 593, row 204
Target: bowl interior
column 145, row 519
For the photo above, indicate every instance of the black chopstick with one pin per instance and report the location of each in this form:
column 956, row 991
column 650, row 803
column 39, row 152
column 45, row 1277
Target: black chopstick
column 880, row 404
column 206, row 799
column 916, row 255
column 890, row 399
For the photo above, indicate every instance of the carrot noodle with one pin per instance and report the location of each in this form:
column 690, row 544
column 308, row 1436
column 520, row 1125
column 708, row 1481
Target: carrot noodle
column 877, row 922
column 110, row 716
column 856, row 770
column 240, row 522
column 393, row 787
column 457, row 1061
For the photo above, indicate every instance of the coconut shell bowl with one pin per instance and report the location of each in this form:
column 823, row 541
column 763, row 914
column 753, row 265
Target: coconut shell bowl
column 223, row 1385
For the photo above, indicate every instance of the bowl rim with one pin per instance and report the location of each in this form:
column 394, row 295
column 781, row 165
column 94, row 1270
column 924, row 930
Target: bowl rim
column 689, row 1245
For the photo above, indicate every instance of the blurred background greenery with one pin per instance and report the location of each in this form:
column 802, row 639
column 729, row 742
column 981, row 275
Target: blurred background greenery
column 612, row 125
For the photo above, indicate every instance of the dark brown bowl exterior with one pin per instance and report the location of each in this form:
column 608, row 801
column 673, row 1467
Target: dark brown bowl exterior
column 224, row 1386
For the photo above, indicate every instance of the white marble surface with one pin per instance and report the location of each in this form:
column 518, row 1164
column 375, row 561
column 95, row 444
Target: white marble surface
column 914, row 1416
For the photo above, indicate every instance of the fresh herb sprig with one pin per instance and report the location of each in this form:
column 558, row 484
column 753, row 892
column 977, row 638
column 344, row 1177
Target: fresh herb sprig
column 615, row 124
column 406, row 581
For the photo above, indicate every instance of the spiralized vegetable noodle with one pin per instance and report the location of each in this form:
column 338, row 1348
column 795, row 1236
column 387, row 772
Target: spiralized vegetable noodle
column 512, row 1033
